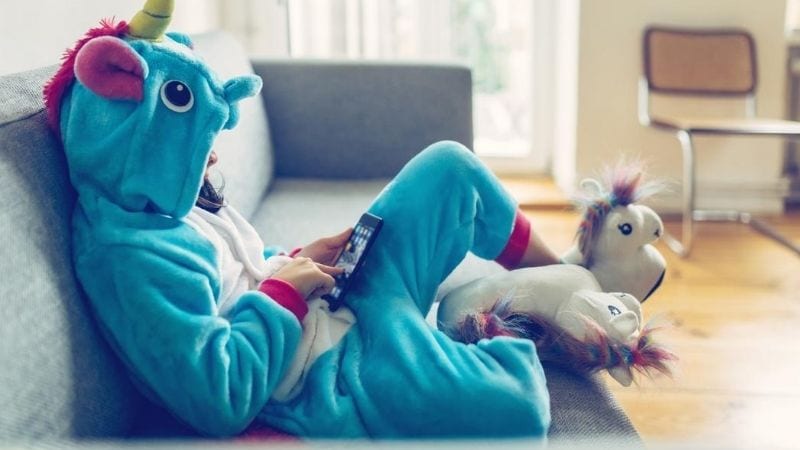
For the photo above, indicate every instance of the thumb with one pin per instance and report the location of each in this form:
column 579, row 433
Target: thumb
column 342, row 237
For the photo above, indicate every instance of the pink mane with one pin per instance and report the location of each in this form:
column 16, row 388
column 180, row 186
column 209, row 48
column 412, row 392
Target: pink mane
column 596, row 352
column 626, row 187
column 55, row 88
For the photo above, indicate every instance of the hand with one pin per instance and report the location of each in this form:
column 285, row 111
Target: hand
column 326, row 250
column 307, row 277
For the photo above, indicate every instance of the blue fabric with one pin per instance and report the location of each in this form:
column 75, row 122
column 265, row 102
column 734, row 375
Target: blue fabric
column 151, row 279
column 154, row 285
column 273, row 250
column 159, row 156
column 393, row 375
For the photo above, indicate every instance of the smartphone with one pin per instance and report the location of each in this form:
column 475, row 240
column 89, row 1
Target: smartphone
column 352, row 256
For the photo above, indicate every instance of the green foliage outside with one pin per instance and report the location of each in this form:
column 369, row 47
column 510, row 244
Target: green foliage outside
column 473, row 21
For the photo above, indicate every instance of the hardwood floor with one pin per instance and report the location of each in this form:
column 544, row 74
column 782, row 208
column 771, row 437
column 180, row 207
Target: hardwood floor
column 735, row 309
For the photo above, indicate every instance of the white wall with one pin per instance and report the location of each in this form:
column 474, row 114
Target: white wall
column 564, row 109
column 36, row 33
column 732, row 172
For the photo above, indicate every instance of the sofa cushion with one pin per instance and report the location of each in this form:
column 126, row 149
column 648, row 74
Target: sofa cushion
column 245, row 153
column 58, row 378
column 297, row 211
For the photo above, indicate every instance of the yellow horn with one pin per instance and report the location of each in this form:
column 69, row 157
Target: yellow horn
column 152, row 21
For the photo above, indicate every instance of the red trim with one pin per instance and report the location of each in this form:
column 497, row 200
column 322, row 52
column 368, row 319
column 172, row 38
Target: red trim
column 294, row 252
column 512, row 254
column 258, row 432
column 55, row 88
column 285, row 295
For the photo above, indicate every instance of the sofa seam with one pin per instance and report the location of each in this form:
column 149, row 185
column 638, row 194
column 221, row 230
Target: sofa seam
column 21, row 118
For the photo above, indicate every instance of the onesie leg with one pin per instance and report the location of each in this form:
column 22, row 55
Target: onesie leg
column 444, row 203
column 393, row 375
column 411, row 379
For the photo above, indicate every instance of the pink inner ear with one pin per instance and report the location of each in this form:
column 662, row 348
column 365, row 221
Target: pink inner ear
column 111, row 68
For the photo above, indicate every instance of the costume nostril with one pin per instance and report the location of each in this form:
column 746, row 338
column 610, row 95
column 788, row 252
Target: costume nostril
column 658, row 232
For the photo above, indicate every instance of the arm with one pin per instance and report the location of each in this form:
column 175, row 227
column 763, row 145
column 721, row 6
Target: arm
column 158, row 310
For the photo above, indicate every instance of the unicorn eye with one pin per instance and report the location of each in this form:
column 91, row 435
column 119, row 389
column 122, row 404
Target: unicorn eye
column 614, row 310
column 625, row 228
column 177, row 96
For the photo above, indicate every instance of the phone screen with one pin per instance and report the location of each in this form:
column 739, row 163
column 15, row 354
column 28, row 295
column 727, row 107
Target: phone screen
column 352, row 256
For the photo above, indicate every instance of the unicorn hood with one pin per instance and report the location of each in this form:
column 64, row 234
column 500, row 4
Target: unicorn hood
column 138, row 113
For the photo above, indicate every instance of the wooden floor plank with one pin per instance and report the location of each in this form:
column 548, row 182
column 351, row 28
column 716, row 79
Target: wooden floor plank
column 721, row 420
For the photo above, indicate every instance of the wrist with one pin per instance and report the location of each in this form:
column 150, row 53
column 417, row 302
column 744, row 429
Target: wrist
column 286, row 295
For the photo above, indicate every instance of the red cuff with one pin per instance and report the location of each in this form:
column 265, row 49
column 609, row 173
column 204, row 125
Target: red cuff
column 512, row 254
column 285, row 295
column 294, row 252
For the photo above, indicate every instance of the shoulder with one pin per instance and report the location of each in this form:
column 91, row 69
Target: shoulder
column 141, row 238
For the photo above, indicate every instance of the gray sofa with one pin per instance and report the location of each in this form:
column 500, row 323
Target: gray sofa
column 303, row 163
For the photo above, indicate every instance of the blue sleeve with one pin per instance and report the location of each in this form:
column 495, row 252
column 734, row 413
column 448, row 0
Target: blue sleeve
column 159, row 311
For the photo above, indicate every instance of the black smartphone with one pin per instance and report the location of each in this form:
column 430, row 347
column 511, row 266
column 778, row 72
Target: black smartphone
column 352, row 256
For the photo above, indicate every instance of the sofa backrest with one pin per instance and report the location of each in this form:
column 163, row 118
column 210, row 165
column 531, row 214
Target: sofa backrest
column 58, row 378
column 245, row 153
column 361, row 119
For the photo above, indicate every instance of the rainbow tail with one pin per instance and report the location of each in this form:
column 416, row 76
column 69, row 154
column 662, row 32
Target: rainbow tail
column 554, row 344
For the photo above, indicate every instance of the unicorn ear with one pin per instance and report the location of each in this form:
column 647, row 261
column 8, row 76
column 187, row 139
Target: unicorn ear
column 111, row 68
column 591, row 186
column 241, row 87
column 181, row 38
column 236, row 89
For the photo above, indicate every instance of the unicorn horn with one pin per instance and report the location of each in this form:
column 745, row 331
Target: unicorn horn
column 152, row 21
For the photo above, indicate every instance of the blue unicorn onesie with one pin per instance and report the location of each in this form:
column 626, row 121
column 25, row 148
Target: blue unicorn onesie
column 138, row 112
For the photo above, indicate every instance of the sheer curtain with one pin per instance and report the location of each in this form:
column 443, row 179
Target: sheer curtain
column 496, row 38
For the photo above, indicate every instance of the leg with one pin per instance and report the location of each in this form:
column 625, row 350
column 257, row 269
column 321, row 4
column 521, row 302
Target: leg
column 395, row 376
column 412, row 379
column 444, row 203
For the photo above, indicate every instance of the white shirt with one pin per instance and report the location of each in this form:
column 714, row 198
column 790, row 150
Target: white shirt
column 242, row 268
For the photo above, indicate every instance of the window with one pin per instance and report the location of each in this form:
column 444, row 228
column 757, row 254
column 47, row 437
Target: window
column 494, row 37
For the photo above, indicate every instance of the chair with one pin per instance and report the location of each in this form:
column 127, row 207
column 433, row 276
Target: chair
column 706, row 63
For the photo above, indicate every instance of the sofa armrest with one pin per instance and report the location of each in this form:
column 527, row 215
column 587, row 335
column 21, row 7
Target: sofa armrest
column 361, row 119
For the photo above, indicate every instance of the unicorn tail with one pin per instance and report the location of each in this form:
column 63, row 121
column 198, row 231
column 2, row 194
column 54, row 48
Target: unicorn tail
column 555, row 345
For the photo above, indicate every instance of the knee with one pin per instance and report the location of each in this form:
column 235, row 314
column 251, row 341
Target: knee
column 446, row 165
column 448, row 155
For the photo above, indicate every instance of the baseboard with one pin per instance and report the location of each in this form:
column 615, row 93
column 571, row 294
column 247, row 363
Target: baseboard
column 794, row 191
column 756, row 197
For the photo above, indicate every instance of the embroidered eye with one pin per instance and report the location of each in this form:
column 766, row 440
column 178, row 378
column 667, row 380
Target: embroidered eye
column 625, row 228
column 177, row 96
column 614, row 310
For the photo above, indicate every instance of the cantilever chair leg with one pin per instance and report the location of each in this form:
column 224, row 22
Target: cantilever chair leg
column 683, row 246
column 765, row 229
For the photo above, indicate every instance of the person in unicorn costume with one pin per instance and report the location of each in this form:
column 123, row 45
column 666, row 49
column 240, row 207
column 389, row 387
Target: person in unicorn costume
column 223, row 337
